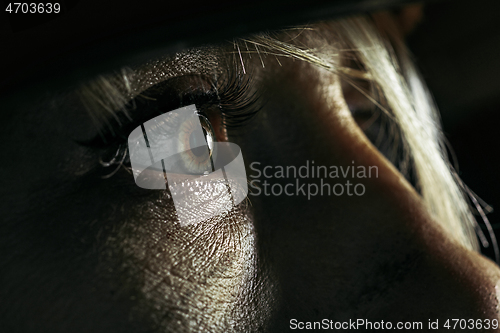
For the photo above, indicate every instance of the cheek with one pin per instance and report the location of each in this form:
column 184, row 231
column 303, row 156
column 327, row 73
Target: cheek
column 144, row 268
column 181, row 275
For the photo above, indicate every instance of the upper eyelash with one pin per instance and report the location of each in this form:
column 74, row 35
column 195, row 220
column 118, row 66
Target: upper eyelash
column 230, row 94
column 235, row 101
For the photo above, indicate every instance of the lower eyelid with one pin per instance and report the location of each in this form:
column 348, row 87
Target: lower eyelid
column 212, row 197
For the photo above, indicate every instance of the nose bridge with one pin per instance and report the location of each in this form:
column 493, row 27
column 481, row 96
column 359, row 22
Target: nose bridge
column 427, row 273
column 422, row 271
column 444, row 279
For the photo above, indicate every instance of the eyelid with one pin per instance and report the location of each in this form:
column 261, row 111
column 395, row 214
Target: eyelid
column 229, row 96
column 161, row 98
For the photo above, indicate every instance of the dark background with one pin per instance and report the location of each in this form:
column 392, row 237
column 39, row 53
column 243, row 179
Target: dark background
column 457, row 47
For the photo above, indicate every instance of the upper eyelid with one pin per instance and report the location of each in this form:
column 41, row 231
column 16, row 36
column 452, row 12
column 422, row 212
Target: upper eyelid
column 141, row 108
column 107, row 95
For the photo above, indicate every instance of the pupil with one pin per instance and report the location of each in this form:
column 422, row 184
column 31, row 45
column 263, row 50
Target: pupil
column 199, row 142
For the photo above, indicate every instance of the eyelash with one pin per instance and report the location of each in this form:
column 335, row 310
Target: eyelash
column 237, row 107
column 231, row 95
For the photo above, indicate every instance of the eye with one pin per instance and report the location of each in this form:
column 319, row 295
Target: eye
column 221, row 104
column 181, row 141
column 198, row 149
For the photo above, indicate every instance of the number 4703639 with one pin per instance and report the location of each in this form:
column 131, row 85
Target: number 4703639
column 33, row 8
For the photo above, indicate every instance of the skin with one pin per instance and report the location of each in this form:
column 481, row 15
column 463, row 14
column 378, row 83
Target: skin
column 86, row 254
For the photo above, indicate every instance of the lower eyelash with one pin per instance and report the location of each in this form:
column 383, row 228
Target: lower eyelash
column 120, row 159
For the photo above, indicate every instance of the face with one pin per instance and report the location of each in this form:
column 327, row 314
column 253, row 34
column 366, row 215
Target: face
column 89, row 251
